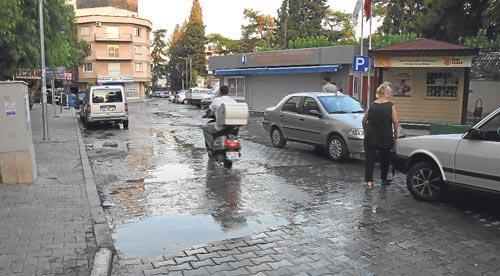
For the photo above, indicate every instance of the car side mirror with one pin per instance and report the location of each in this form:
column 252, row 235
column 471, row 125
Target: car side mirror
column 315, row 113
column 475, row 134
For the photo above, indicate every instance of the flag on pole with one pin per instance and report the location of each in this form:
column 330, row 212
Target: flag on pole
column 368, row 9
column 355, row 13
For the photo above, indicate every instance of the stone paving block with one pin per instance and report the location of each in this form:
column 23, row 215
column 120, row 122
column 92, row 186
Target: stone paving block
column 231, row 252
column 236, row 272
column 195, row 251
column 179, row 267
column 283, row 263
column 198, row 264
column 236, row 265
column 262, row 259
column 224, row 259
column 181, row 260
column 218, row 268
column 158, row 264
column 265, row 252
column 202, row 271
column 205, row 256
column 259, row 268
column 248, row 255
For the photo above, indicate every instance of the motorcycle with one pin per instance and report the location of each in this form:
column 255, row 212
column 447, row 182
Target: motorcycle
column 226, row 148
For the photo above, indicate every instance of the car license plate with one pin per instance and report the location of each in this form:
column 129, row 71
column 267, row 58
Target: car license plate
column 108, row 108
column 233, row 155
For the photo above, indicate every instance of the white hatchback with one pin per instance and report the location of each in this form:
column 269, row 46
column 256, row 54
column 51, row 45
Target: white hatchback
column 105, row 104
column 471, row 160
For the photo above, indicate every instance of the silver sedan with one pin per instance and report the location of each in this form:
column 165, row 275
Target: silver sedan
column 328, row 121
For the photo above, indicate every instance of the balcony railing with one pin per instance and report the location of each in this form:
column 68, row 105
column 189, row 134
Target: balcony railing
column 113, row 37
column 112, row 56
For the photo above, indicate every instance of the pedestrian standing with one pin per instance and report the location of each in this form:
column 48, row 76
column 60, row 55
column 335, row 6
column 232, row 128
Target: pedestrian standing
column 328, row 86
column 379, row 120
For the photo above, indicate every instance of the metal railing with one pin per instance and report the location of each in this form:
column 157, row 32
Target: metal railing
column 113, row 37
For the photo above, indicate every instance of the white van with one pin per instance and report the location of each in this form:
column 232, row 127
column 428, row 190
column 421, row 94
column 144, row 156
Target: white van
column 105, row 104
column 195, row 94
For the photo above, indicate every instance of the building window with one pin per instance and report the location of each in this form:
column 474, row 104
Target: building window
column 138, row 67
column 112, row 32
column 114, row 69
column 138, row 49
column 236, row 87
column 442, row 85
column 137, row 31
column 85, row 30
column 87, row 67
column 113, row 51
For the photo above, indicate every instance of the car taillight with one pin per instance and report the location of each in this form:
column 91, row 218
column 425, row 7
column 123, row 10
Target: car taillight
column 126, row 107
column 88, row 109
column 232, row 144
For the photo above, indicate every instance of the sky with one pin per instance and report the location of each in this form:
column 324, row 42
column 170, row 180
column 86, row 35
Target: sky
column 220, row 16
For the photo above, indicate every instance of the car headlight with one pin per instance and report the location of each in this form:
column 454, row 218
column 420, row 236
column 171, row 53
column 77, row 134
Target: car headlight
column 356, row 132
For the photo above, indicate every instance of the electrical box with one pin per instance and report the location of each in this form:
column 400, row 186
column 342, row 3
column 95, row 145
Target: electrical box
column 17, row 153
column 232, row 114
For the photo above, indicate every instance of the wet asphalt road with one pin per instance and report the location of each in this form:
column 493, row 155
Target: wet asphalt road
column 306, row 213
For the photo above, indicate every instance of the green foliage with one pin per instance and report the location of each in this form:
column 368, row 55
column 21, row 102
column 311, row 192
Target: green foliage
column 300, row 18
column 338, row 25
column 19, row 36
column 223, row 45
column 482, row 42
column 398, row 15
column 158, row 55
column 448, row 20
column 380, row 40
column 259, row 33
column 310, row 42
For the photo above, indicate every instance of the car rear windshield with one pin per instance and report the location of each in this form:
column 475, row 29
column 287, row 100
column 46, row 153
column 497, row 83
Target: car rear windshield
column 107, row 96
column 341, row 104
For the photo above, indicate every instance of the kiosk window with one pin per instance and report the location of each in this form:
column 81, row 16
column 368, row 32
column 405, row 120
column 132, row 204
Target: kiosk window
column 236, row 87
column 442, row 85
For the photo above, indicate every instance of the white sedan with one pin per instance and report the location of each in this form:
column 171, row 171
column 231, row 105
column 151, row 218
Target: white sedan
column 470, row 160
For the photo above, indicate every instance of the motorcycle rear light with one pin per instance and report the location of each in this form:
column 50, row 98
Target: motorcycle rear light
column 232, row 144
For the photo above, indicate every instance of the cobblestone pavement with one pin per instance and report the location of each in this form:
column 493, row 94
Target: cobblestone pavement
column 278, row 212
column 45, row 228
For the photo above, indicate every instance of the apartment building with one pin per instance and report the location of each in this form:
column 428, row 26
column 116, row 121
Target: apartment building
column 120, row 48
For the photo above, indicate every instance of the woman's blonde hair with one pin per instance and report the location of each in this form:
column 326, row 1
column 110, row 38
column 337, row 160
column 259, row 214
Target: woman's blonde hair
column 384, row 89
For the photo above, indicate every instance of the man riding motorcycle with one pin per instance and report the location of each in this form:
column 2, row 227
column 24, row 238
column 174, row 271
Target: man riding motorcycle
column 211, row 128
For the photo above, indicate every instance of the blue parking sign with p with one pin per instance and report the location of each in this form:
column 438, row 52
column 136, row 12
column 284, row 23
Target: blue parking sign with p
column 360, row 63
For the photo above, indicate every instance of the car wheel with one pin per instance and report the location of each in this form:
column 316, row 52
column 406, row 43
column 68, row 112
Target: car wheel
column 125, row 124
column 185, row 102
column 336, row 148
column 277, row 138
column 424, row 181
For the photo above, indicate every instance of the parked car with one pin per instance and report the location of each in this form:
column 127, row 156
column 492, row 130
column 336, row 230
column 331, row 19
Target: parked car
column 160, row 94
column 433, row 163
column 195, row 94
column 105, row 104
column 332, row 122
column 181, row 97
column 207, row 99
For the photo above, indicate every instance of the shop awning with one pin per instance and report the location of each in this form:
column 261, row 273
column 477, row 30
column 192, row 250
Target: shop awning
column 277, row 70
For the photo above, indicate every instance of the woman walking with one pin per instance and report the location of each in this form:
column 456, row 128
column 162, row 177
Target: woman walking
column 379, row 120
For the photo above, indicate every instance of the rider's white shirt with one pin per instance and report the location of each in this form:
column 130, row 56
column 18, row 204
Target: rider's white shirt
column 220, row 100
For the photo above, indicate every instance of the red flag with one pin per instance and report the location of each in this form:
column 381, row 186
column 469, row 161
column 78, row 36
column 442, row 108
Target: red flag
column 368, row 9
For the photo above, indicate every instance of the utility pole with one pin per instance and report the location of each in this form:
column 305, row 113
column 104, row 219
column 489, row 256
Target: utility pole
column 190, row 70
column 44, row 84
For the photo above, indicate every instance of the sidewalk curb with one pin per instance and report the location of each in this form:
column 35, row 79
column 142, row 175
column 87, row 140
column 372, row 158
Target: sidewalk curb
column 104, row 255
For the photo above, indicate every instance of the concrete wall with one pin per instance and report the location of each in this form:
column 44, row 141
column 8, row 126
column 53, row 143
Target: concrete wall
column 488, row 91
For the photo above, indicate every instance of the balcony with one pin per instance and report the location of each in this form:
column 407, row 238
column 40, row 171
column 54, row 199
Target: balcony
column 121, row 37
column 113, row 56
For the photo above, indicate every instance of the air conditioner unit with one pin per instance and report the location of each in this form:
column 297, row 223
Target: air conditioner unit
column 98, row 24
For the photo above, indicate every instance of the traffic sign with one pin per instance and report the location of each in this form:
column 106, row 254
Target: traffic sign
column 360, row 64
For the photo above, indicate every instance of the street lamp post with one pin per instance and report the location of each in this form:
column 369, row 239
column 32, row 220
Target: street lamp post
column 44, row 83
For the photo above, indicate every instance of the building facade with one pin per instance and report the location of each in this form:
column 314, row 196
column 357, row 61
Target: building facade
column 120, row 46
column 262, row 79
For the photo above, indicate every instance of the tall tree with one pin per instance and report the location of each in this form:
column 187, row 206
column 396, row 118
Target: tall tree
column 259, row 33
column 223, row 45
column 282, row 24
column 158, row 55
column 449, row 20
column 194, row 40
column 398, row 15
column 338, row 26
column 175, row 67
column 301, row 18
column 19, row 39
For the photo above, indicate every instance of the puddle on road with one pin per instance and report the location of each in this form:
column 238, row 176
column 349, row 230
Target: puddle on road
column 132, row 198
column 139, row 157
column 170, row 234
column 171, row 172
